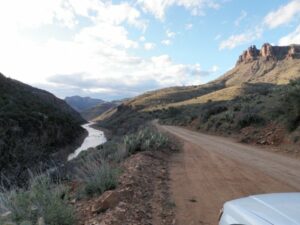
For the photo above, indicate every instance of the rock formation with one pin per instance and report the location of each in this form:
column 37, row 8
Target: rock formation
column 249, row 55
column 269, row 52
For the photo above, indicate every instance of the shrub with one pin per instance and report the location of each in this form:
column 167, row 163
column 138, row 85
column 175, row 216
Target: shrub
column 211, row 110
column 97, row 175
column 42, row 198
column 292, row 105
column 145, row 140
column 248, row 119
column 229, row 116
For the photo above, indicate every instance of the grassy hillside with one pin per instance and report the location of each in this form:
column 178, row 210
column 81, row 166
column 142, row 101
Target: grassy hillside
column 34, row 128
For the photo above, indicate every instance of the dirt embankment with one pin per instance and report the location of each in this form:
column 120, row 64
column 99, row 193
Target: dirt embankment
column 141, row 198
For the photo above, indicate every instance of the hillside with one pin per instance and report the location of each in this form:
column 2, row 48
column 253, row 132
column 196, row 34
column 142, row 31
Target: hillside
column 91, row 113
column 82, row 103
column 35, row 126
column 255, row 97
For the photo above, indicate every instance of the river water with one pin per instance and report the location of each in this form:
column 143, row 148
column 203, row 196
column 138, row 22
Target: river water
column 95, row 137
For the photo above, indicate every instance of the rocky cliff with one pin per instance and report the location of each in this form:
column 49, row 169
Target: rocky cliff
column 269, row 52
column 270, row 64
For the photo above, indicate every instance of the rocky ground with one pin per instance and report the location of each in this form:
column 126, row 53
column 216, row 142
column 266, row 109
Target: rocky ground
column 141, row 198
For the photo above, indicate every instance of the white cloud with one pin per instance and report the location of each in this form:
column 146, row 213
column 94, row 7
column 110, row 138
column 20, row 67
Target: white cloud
column 166, row 42
column 236, row 40
column 149, row 46
column 283, row 15
column 158, row 7
column 142, row 39
column 189, row 26
column 292, row 38
column 112, row 35
column 35, row 13
column 170, row 34
column 215, row 68
column 240, row 18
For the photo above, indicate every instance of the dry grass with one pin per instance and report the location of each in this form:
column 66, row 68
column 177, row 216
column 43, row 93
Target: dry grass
column 225, row 94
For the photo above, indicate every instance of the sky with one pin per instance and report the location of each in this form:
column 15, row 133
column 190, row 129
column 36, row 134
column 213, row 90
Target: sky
column 118, row 49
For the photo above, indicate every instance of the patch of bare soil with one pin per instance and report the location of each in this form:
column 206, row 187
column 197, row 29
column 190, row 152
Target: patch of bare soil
column 271, row 134
column 141, row 198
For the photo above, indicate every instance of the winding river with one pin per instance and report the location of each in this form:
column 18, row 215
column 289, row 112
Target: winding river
column 95, row 137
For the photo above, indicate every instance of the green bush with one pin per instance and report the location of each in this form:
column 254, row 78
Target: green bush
column 42, row 198
column 146, row 140
column 292, row 105
column 211, row 109
column 97, row 175
column 248, row 119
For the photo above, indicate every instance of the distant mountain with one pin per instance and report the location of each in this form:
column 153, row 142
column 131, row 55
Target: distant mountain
column 82, row 103
column 35, row 127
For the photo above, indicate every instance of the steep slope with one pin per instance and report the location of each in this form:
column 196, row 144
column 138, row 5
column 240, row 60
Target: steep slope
column 91, row 113
column 35, row 127
column 82, row 103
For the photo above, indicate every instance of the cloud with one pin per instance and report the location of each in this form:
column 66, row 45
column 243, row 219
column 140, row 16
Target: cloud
column 189, row 26
column 214, row 69
column 93, row 52
column 292, row 38
column 146, row 74
column 142, row 39
column 283, row 15
column 240, row 18
column 149, row 46
column 20, row 13
column 166, row 42
column 112, row 35
column 239, row 39
column 158, row 7
column 170, row 34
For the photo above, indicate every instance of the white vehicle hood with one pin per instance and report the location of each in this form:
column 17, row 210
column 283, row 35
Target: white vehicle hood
column 276, row 209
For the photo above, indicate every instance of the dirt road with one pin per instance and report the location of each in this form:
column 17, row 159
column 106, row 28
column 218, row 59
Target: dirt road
column 211, row 170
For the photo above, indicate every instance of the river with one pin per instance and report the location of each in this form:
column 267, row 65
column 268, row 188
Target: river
column 95, row 137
